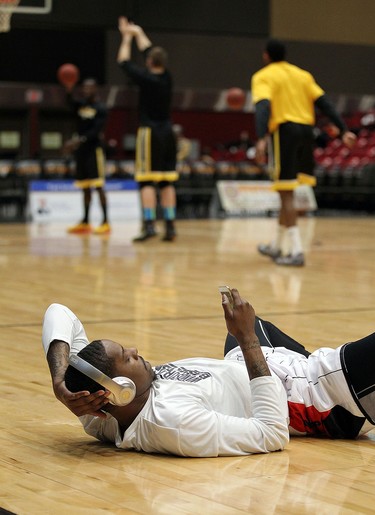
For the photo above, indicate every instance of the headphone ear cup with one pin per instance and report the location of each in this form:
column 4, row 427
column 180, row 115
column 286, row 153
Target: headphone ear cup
column 124, row 394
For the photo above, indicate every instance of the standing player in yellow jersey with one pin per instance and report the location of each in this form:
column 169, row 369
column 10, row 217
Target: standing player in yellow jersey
column 285, row 98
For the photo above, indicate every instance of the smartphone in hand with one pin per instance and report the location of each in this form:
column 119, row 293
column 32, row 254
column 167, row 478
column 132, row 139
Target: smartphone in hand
column 226, row 291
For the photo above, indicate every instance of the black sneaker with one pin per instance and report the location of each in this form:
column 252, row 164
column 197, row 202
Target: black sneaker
column 148, row 231
column 267, row 250
column 289, row 260
column 170, row 233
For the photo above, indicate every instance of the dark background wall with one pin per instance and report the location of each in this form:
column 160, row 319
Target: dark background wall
column 212, row 43
column 202, row 61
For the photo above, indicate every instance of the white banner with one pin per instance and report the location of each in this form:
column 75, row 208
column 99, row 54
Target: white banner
column 257, row 197
column 60, row 201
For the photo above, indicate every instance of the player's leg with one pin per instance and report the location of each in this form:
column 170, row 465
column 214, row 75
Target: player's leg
column 168, row 203
column 97, row 171
column 320, row 385
column 145, row 162
column 278, row 338
column 103, row 204
column 149, row 203
column 287, row 156
column 269, row 336
column 358, row 363
column 105, row 227
column 86, row 205
column 83, row 227
column 275, row 247
column 289, row 217
column 168, row 198
column 306, row 161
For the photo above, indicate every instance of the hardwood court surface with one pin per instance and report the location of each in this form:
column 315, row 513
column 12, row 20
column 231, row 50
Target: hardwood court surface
column 163, row 299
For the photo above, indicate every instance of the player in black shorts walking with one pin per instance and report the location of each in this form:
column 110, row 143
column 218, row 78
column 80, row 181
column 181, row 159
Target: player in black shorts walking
column 285, row 98
column 156, row 142
column 88, row 152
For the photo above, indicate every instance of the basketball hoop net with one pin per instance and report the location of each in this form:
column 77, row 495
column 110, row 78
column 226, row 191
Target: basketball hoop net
column 6, row 10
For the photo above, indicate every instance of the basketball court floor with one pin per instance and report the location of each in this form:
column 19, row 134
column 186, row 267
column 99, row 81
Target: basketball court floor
column 163, row 298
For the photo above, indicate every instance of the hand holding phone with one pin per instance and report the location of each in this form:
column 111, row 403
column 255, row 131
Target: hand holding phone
column 225, row 290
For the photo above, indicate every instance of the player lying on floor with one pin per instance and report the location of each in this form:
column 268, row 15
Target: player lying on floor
column 266, row 387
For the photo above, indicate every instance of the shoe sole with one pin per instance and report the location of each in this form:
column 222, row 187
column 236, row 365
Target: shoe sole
column 280, row 263
column 84, row 231
column 269, row 254
column 141, row 240
column 290, row 264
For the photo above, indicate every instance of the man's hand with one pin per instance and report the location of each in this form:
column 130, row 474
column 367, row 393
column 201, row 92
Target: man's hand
column 349, row 138
column 240, row 322
column 127, row 27
column 261, row 151
column 240, row 319
column 71, row 145
column 123, row 24
column 82, row 403
column 79, row 403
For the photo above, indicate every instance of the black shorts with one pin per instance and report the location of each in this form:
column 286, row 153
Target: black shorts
column 357, row 359
column 156, row 153
column 293, row 156
column 90, row 166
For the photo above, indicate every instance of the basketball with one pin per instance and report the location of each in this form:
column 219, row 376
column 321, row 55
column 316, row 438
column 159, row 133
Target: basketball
column 68, row 74
column 235, row 98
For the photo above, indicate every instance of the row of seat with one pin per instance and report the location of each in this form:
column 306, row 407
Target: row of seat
column 337, row 155
column 348, row 187
column 60, row 168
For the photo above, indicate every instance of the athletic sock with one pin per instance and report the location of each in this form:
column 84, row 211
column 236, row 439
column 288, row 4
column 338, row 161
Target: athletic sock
column 280, row 234
column 294, row 238
column 169, row 213
column 149, row 214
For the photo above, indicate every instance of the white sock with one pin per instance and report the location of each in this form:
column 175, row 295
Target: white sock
column 278, row 242
column 294, row 238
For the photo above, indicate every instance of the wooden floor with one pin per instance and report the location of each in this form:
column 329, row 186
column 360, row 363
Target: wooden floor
column 163, row 299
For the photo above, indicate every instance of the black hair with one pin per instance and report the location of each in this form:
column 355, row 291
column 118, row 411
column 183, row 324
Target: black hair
column 95, row 354
column 276, row 50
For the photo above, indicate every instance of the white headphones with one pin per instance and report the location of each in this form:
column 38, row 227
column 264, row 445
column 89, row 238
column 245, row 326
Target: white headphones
column 122, row 389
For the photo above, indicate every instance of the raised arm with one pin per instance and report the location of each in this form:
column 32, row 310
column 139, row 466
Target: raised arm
column 125, row 49
column 141, row 38
column 129, row 31
column 267, row 428
column 63, row 334
column 240, row 322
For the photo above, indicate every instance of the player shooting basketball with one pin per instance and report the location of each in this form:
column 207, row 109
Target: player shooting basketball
column 156, row 142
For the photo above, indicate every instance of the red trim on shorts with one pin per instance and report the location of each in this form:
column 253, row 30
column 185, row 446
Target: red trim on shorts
column 307, row 419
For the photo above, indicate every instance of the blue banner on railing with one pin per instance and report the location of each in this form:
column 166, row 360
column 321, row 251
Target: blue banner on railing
column 61, row 201
column 68, row 185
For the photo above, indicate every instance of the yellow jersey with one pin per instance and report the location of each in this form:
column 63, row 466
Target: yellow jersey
column 290, row 90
